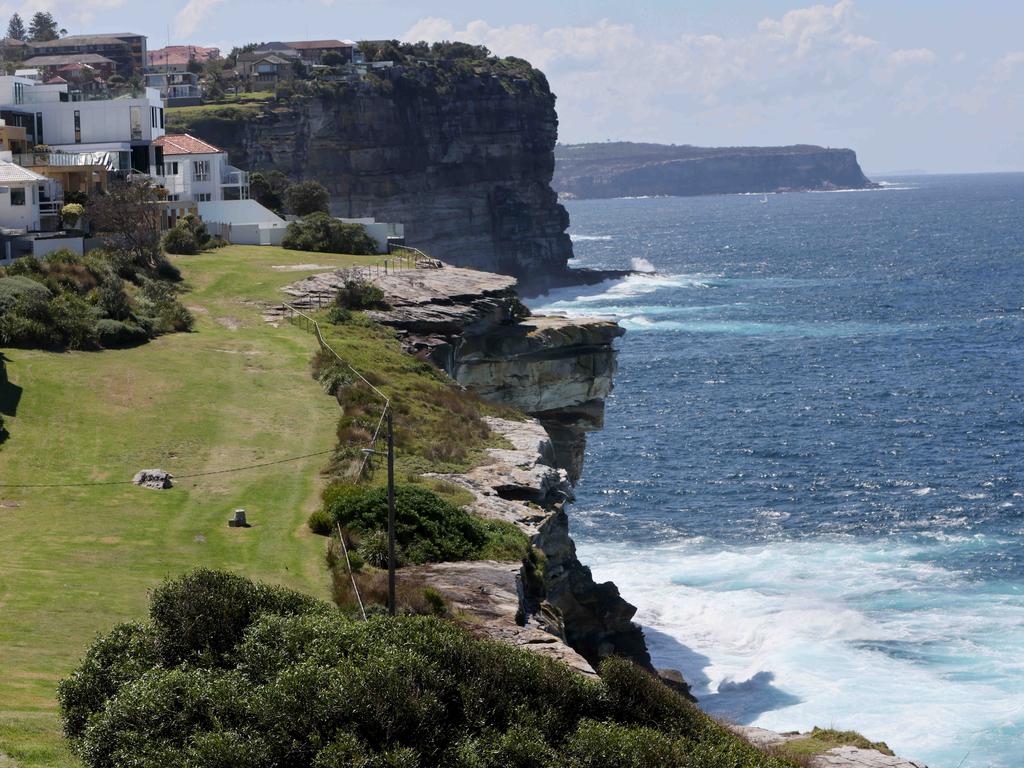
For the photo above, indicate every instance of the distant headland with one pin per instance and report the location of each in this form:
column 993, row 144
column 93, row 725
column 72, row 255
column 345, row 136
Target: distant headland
column 627, row 169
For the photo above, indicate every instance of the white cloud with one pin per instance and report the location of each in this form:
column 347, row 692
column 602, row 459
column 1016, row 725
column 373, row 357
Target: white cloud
column 811, row 74
column 911, row 56
column 1007, row 66
column 192, row 15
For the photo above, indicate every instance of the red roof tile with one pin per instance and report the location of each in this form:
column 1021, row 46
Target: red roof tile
column 183, row 144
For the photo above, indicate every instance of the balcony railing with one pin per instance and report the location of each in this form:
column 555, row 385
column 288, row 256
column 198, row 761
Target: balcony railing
column 50, row 207
column 33, row 96
column 63, row 159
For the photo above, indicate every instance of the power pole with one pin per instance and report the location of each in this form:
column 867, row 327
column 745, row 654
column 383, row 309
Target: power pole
column 391, row 513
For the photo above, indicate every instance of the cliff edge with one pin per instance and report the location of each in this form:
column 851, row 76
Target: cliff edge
column 459, row 150
column 625, row 169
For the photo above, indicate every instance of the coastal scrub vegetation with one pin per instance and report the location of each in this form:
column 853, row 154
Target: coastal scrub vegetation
column 323, row 233
column 821, row 740
column 227, row 671
column 427, row 527
column 81, row 302
column 439, row 427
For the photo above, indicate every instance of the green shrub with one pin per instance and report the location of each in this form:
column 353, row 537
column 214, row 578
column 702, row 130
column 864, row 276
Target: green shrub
column 427, row 527
column 323, row 233
column 305, row 197
column 338, row 315
column 360, row 294
column 74, row 321
column 14, row 287
column 72, row 213
column 178, row 240
column 117, row 333
column 160, row 310
column 203, row 614
column 435, row 600
column 320, row 523
column 610, row 745
column 232, row 673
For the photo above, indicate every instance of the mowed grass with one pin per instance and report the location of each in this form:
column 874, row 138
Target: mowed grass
column 74, row 561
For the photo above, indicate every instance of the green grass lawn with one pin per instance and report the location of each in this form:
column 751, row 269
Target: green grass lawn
column 74, row 561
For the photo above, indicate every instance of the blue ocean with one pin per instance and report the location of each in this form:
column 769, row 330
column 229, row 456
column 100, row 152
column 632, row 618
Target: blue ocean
column 811, row 478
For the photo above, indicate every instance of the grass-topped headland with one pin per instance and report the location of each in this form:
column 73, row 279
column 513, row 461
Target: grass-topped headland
column 78, row 559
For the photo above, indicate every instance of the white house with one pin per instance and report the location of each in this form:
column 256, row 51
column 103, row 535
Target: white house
column 26, row 198
column 194, row 169
column 73, row 121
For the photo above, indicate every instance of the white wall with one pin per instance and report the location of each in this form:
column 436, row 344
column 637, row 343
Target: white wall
column 41, row 247
column 102, row 121
column 20, row 216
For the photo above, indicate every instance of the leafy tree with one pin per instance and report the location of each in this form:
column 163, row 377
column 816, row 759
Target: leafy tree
column 43, row 27
column 332, row 59
column 305, row 197
column 268, row 189
column 324, row 234
column 16, row 28
column 127, row 218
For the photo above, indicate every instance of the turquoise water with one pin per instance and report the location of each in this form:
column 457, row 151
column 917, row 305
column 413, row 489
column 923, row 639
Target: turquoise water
column 811, row 479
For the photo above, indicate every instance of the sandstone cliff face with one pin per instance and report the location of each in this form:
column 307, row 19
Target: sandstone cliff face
column 464, row 159
column 472, row 324
column 624, row 169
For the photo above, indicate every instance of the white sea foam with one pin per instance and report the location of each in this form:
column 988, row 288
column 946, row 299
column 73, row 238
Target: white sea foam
column 589, row 238
column 797, row 634
column 641, row 264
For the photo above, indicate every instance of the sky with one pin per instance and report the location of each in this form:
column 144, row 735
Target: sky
column 930, row 85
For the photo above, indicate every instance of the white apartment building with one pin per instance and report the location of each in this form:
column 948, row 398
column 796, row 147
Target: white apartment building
column 197, row 170
column 71, row 121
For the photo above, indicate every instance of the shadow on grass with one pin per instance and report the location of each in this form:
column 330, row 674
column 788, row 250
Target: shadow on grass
column 10, row 395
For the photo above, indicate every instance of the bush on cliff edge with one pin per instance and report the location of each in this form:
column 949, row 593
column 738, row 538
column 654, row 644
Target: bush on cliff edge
column 265, row 677
column 323, row 233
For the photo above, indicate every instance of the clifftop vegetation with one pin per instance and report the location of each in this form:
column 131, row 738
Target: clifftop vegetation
column 228, row 672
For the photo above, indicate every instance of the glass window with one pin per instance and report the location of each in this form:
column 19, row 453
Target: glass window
column 78, row 127
column 136, row 120
column 17, row 196
column 161, row 117
column 39, row 128
column 200, row 170
column 203, row 197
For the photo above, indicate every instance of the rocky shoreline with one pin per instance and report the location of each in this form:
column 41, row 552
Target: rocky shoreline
column 558, row 371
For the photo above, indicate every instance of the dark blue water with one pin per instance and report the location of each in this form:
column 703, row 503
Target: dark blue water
column 811, row 479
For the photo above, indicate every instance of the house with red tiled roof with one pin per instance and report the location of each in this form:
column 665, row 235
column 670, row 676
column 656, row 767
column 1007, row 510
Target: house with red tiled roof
column 193, row 169
column 176, row 58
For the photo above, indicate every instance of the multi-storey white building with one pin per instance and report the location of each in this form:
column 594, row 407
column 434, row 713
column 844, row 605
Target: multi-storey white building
column 71, row 121
column 197, row 170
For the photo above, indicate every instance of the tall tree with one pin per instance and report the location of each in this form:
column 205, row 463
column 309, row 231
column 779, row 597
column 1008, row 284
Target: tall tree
column 43, row 27
column 16, row 28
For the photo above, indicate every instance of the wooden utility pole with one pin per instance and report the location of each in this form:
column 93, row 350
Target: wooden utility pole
column 391, row 513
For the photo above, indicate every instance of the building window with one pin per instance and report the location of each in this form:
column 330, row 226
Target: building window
column 153, row 119
column 173, row 198
column 171, row 169
column 78, row 127
column 200, row 170
column 19, row 93
column 161, row 117
column 136, row 120
column 17, row 196
column 39, row 128
column 203, row 197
